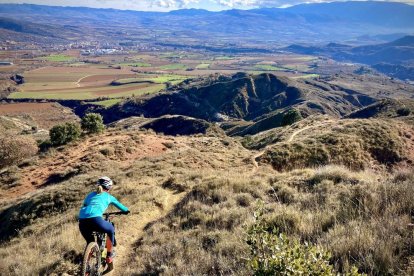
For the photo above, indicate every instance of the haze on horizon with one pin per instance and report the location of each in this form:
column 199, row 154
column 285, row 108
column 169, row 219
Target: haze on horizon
column 168, row 5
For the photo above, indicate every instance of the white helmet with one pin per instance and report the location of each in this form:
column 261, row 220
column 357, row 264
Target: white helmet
column 105, row 182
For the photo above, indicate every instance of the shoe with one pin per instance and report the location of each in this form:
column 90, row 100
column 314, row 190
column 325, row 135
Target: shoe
column 110, row 257
column 109, row 268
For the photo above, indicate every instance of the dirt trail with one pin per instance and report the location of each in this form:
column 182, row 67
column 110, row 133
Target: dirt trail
column 133, row 230
column 289, row 140
column 79, row 80
column 40, row 174
column 299, row 131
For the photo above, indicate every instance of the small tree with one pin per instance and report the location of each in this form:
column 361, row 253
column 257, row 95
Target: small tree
column 64, row 133
column 92, row 123
column 57, row 135
column 290, row 117
column 73, row 131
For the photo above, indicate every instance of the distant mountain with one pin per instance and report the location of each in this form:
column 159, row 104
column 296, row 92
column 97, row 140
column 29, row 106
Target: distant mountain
column 26, row 27
column 321, row 22
column 395, row 70
column 395, row 58
column 380, row 13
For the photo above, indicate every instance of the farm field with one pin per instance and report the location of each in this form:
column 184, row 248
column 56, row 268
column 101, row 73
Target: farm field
column 42, row 115
column 82, row 83
column 67, row 75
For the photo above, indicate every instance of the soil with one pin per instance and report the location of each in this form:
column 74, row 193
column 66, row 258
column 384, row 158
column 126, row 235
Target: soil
column 72, row 157
column 44, row 115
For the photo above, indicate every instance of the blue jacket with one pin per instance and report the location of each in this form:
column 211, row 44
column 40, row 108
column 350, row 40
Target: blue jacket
column 95, row 205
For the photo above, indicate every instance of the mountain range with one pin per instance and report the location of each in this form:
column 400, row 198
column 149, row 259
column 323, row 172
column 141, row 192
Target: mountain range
column 357, row 22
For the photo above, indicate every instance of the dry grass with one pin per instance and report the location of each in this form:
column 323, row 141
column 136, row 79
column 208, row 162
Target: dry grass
column 192, row 204
column 16, row 148
column 361, row 220
column 356, row 144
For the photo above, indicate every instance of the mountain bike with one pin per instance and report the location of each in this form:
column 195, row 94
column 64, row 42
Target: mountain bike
column 94, row 256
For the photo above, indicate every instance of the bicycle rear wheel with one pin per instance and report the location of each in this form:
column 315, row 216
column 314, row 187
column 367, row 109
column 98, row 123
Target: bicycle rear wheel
column 91, row 260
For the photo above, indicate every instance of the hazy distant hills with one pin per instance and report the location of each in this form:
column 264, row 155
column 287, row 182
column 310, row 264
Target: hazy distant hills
column 395, row 58
column 398, row 51
column 310, row 22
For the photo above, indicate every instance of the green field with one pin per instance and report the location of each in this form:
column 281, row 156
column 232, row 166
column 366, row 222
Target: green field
column 224, row 58
column 203, row 66
column 88, row 93
column 175, row 66
column 162, row 79
column 107, row 103
column 309, row 76
column 305, row 58
column 136, row 64
column 267, row 67
column 58, row 58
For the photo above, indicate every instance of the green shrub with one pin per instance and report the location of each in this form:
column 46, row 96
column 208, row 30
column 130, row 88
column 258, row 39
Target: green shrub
column 92, row 123
column 273, row 253
column 290, row 117
column 403, row 112
column 64, row 133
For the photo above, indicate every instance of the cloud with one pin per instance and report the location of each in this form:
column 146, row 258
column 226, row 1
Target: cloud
column 247, row 3
column 236, row 3
column 168, row 4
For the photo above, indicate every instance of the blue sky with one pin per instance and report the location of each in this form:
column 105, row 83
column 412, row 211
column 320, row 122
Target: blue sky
column 166, row 5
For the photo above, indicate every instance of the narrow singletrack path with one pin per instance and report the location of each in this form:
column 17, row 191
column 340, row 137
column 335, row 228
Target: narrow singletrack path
column 133, row 230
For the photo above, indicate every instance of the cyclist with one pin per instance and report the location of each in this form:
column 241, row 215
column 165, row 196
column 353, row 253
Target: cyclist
column 90, row 215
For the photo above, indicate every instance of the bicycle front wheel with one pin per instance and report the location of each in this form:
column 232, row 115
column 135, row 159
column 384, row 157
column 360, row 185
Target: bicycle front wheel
column 91, row 260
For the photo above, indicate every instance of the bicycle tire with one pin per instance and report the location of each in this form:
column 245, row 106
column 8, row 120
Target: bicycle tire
column 91, row 262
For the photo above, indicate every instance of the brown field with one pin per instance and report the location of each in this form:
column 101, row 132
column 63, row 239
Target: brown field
column 43, row 115
column 94, row 80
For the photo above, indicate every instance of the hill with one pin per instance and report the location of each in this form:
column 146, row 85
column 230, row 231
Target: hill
column 402, row 110
column 248, row 104
column 317, row 141
column 170, row 125
column 198, row 194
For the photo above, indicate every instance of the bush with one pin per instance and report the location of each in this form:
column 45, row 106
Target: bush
column 92, row 123
column 65, row 133
column 403, row 112
column 14, row 149
column 290, row 117
column 272, row 253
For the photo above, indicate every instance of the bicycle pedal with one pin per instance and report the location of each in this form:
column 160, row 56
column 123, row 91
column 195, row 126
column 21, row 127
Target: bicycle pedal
column 109, row 268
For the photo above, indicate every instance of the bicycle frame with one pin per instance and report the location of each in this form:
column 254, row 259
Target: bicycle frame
column 100, row 243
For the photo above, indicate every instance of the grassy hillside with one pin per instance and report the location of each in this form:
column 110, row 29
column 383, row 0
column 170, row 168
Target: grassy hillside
column 193, row 198
column 318, row 141
column 397, row 109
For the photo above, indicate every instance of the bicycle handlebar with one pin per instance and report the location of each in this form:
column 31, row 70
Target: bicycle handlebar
column 116, row 213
